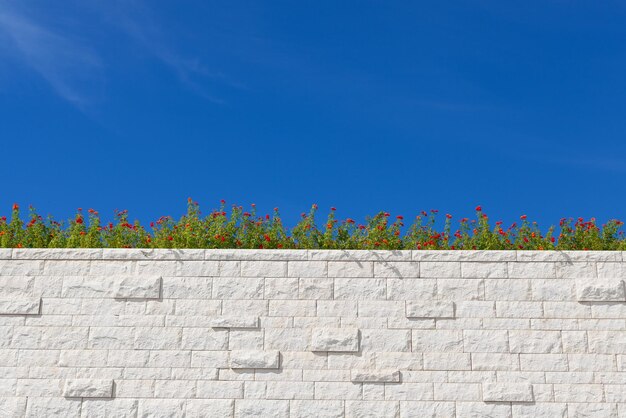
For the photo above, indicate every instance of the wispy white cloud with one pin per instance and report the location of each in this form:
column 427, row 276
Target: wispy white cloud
column 137, row 21
column 73, row 69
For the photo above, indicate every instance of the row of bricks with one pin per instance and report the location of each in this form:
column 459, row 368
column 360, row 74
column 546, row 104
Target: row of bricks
column 431, row 361
column 209, row 408
column 303, row 255
column 427, row 269
column 312, row 339
column 279, row 289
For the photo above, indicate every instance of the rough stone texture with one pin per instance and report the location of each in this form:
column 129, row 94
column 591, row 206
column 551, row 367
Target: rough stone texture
column 429, row 309
column 375, row 376
column 601, row 290
column 20, row 306
column 247, row 333
column 142, row 287
column 507, row 392
column 335, row 339
column 88, row 388
column 254, row 359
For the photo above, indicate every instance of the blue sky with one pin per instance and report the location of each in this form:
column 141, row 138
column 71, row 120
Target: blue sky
column 366, row 106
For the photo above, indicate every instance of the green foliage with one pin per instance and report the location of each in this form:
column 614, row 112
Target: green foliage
column 241, row 229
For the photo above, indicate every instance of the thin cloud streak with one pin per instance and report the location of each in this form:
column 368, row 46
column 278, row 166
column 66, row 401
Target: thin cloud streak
column 71, row 69
column 139, row 25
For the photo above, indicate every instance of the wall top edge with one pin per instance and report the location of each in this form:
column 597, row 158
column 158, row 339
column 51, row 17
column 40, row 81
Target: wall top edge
column 308, row 255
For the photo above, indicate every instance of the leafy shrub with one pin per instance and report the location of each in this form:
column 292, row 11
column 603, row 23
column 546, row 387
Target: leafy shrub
column 240, row 229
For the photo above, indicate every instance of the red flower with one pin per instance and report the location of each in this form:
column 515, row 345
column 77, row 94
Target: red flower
column 16, row 206
column 333, row 208
column 522, row 217
column 448, row 216
column 400, row 217
column 479, row 208
column 79, row 220
column 267, row 238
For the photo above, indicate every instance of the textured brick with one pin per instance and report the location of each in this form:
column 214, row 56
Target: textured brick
column 604, row 290
column 376, row 376
column 380, row 409
column 234, row 322
column 206, row 408
column 429, row 309
column 254, row 359
column 261, row 408
column 143, row 287
column 335, row 339
column 316, row 409
column 507, row 392
column 88, row 388
column 20, row 306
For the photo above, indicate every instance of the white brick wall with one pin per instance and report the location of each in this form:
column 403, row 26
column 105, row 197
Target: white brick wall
column 245, row 333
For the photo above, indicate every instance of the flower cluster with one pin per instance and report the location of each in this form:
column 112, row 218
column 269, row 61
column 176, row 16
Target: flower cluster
column 237, row 228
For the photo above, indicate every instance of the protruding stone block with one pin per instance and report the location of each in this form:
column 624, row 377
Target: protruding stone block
column 254, row 359
column 20, row 306
column 335, row 339
column 429, row 309
column 600, row 290
column 375, row 376
column 234, row 322
column 88, row 388
column 507, row 392
column 137, row 287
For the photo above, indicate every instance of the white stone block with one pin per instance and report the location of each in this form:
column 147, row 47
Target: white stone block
column 261, row 408
column 362, row 289
column 88, row 388
column 264, row 268
column 375, row 376
column 607, row 342
column 254, row 359
column 507, row 392
column 238, row 288
column 447, row 361
column 137, row 287
column 600, row 290
column 484, row 270
column 485, row 341
column 290, row 390
column 307, row 268
column 379, row 409
column 52, row 407
column 437, row 341
column 152, row 408
column 466, row 392
column 315, row 288
column 535, row 341
column 233, row 321
column 335, row 339
column 429, row 309
column 204, row 339
column 209, row 408
column 421, row 409
column 350, row 269
column 281, row 288
column 20, row 306
column 316, row 409
column 544, row 410
column 397, row 269
column 440, row 269
column 118, row 408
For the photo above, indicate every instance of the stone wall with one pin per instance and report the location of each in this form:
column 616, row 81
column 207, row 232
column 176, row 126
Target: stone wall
column 221, row 333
